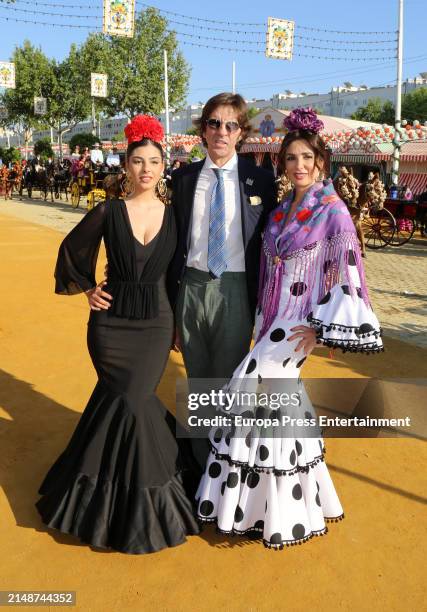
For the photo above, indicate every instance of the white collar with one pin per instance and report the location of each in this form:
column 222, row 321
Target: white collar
column 230, row 165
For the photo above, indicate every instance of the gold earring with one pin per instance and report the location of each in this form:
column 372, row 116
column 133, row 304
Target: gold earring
column 162, row 189
column 128, row 186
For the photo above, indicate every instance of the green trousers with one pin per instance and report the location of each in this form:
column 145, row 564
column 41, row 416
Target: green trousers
column 215, row 328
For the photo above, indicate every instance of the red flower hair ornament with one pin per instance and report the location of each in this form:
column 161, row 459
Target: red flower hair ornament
column 144, row 126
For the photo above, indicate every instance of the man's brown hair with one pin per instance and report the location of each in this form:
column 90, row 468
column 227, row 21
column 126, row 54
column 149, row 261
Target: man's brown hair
column 225, row 99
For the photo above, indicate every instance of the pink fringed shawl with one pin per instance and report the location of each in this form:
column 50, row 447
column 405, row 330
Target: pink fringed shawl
column 320, row 236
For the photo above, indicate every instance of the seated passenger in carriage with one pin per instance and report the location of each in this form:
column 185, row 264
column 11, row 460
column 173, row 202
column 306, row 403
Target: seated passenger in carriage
column 113, row 160
column 96, row 156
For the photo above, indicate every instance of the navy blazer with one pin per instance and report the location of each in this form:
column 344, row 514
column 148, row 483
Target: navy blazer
column 253, row 181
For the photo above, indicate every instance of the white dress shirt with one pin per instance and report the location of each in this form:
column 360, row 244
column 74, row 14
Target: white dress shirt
column 234, row 249
column 96, row 156
column 112, row 160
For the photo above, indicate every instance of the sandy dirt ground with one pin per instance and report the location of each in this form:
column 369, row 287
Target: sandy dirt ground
column 374, row 559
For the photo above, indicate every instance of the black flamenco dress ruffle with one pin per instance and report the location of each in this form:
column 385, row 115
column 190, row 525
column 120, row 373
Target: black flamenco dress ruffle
column 120, row 482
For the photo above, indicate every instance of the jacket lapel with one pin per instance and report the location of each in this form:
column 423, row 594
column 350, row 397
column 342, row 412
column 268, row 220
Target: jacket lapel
column 242, row 171
column 188, row 193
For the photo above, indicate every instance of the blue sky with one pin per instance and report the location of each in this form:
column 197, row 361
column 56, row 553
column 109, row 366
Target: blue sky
column 257, row 76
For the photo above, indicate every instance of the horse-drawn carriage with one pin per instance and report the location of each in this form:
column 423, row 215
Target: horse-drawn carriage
column 95, row 183
column 379, row 220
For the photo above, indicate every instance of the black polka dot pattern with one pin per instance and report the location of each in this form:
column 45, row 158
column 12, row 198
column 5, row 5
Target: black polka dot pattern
column 298, row 531
column 263, row 452
column 318, row 500
column 298, row 289
column 276, row 538
column 293, row 458
column 365, row 328
column 307, row 415
column 259, row 524
column 218, row 435
column 297, row 492
column 238, row 515
column 248, row 440
column 286, row 361
column 253, row 480
column 325, row 299
column 359, row 292
column 298, row 446
column 206, row 508
column 351, row 258
column 215, row 469
column 223, row 487
column 232, row 480
column 301, row 361
column 259, row 379
column 346, row 289
column 251, row 366
column 277, row 335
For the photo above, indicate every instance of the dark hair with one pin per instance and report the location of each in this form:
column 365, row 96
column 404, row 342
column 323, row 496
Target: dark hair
column 143, row 143
column 225, row 99
column 314, row 141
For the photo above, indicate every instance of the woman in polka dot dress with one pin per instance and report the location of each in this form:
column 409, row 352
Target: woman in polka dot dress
column 260, row 481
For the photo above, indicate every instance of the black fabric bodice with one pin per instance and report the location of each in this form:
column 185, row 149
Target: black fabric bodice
column 133, row 285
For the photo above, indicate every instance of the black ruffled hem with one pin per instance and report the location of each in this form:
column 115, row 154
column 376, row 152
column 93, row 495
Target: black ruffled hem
column 113, row 516
column 350, row 346
column 255, row 533
column 347, row 345
column 268, row 470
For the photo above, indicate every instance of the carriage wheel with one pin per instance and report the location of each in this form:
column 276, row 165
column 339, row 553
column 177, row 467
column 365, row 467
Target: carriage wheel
column 405, row 229
column 94, row 197
column 378, row 227
column 90, row 200
column 75, row 195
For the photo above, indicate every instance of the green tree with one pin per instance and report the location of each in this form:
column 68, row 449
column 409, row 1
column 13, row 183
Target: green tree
column 414, row 105
column 376, row 111
column 85, row 139
column 43, row 148
column 10, row 155
column 193, row 131
column 120, row 137
column 34, row 77
column 252, row 112
column 135, row 67
column 69, row 97
column 196, row 151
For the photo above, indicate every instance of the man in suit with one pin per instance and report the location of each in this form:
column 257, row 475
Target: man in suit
column 221, row 206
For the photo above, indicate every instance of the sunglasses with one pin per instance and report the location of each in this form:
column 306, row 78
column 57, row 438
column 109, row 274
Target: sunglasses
column 230, row 126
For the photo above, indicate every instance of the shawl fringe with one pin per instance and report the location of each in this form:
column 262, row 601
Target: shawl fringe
column 331, row 257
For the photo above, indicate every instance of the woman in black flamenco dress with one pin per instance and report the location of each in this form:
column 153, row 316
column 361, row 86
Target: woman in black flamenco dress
column 122, row 482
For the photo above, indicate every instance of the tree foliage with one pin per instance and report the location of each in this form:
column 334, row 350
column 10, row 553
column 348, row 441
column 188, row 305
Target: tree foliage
column 414, row 106
column 9, row 155
column 84, row 139
column 376, row 111
column 43, row 148
column 135, row 67
column 34, row 77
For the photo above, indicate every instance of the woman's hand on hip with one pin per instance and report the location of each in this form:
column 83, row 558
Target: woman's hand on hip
column 97, row 298
column 306, row 336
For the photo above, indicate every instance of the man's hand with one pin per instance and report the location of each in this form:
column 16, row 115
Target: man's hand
column 176, row 342
column 306, row 336
column 99, row 299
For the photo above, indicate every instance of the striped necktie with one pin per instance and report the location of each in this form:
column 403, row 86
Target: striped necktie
column 216, row 240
